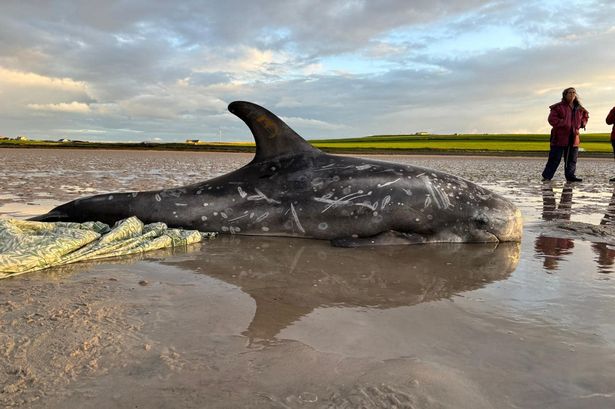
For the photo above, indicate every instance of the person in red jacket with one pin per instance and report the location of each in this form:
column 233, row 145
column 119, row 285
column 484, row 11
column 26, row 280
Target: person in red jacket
column 610, row 120
column 566, row 118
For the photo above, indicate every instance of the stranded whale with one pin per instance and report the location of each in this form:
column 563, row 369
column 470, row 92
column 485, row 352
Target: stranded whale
column 291, row 188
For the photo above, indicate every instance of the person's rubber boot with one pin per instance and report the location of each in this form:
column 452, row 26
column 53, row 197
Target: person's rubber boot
column 574, row 179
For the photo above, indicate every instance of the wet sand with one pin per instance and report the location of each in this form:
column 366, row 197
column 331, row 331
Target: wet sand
column 266, row 322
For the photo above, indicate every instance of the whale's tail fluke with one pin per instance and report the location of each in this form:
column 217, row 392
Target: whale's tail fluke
column 273, row 137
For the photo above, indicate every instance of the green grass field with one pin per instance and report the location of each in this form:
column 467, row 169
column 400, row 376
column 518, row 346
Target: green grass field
column 485, row 144
column 513, row 143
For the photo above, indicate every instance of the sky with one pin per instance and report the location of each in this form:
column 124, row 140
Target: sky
column 158, row 70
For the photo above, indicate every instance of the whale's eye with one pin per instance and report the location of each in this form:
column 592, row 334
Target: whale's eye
column 481, row 220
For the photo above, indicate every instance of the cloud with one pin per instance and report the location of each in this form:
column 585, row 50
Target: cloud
column 31, row 80
column 333, row 68
column 75, row 107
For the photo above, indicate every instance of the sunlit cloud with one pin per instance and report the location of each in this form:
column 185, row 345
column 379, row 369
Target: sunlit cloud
column 32, row 80
column 76, row 107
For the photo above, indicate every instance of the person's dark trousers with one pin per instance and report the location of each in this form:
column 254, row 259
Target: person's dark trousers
column 613, row 145
column 555, row 157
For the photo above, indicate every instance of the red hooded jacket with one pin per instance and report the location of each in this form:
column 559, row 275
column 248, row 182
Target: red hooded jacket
column 610, row 120
column 564, row 122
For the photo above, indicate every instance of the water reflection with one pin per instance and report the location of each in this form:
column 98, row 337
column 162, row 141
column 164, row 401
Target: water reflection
column 605, row 253
column 552, row 249
column 288, row 279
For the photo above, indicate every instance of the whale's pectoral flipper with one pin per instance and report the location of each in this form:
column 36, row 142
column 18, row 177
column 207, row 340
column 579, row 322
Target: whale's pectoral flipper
column 388, row 238
column 273, row 137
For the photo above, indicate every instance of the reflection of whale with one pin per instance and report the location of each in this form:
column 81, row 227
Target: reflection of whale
column 551, row 249
column 605, row 253
column 288, row 279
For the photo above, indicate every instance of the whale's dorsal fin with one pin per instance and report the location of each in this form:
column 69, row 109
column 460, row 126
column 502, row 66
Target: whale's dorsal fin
column 273, row 137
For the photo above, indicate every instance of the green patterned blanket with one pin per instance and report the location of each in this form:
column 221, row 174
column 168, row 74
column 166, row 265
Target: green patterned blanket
column 27, row 246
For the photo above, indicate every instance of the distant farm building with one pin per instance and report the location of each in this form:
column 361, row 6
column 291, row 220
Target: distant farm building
column 193, row 141
column 64, row 140
column 21, row 138
column 419, row 133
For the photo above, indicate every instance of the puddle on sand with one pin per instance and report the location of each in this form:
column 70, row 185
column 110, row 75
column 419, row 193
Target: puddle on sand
column 266, row 322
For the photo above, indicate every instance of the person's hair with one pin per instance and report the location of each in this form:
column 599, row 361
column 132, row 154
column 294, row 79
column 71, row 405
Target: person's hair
column 576, row 102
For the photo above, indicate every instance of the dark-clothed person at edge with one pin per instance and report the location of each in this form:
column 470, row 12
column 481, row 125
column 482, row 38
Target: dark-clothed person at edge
column 566, row 118
column 610, row 120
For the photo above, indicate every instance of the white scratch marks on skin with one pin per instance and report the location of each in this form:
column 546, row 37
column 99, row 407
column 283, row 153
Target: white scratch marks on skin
column 371, row 206
column 427, row 201
column 363, row 167
column 343, row 201
column 157, row 197
column 261, row 196
column 241, row 192
column 262, row 217
column 440, row 198
column 224, row 215
column 181, row 204
column 388, row 183
column 237, row 218
column 294, row 212
column 385, row 201
column 407, row 191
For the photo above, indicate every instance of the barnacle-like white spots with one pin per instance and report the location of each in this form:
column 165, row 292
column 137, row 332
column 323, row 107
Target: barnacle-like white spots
column 181, row 204
column 429, row 217
column 335, row 178
column 347, row 190
column 198, row 192
column 134, row 194
column 234, row 229
column 241, row 192
column 323, row 226
column 265, row 228
column 407, row 191
column 205, row 204
column 110, row 197
column 224, row 228
column 354, row 236
column 157, row 197
column 203, row 218
column 375, row 213
column 215, row 213
column 417, row 220
column 224, row 215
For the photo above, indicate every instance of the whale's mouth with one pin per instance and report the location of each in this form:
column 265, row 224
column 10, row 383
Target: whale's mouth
column 509, row 228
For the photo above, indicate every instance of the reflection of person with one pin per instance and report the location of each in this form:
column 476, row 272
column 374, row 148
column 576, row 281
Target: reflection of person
column 610, row 120
column 553, row 248
column 605, row 252
column 566, row 118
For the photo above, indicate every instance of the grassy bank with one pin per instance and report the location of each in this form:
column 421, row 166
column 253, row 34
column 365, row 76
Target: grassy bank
column 474, row 144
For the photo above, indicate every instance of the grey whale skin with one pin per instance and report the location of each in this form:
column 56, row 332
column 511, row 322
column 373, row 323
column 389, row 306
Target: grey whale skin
column 291, row 188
